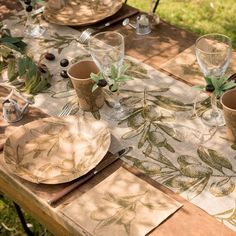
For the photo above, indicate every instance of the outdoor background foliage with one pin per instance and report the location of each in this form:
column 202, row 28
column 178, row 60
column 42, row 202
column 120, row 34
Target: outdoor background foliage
column 199, row 16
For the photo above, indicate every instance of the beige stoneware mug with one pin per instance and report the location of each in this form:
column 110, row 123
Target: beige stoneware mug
column 228, row 101
column 79, row 74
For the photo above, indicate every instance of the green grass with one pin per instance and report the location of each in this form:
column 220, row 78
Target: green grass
column 199, row 16
column 10, row 224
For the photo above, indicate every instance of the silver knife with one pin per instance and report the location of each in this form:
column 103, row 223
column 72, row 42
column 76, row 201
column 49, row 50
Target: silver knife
column 102, row 165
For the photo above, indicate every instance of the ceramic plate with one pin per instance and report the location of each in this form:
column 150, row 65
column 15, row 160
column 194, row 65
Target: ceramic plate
column 80, row 12
column 56, row 150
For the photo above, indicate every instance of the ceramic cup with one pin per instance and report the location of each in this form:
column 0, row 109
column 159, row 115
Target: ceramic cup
column 228, row 101
column 79, row 74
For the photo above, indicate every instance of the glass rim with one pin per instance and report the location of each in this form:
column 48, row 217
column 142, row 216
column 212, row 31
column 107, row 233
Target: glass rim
column 104, row 32
column 212, row 34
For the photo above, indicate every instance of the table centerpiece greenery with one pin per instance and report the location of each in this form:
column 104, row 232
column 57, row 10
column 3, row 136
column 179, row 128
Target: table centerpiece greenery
column 22, row 71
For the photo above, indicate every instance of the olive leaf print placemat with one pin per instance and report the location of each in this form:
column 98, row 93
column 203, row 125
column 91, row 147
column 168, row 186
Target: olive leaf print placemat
column 185, row 66
column 122, row 204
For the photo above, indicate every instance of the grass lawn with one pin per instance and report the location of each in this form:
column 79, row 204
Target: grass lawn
column 10, row 224
column 199, row 16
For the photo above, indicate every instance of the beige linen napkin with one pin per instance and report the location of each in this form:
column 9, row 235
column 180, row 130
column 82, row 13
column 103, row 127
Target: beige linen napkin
column 122, row 204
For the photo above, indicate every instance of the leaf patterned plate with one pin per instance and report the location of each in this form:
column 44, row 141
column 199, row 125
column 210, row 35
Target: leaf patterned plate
column 80, row 12
column 56, row 150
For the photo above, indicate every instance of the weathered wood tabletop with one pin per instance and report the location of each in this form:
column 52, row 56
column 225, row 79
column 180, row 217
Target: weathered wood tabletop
column 164, row 43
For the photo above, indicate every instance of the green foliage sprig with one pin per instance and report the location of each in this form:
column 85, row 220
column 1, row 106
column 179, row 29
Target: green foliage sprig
column 21, row 69
column 114, row 80
column 9, row 41
column 219, row 85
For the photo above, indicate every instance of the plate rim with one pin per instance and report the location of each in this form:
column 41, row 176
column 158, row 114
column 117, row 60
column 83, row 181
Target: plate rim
column 51, row 20
column 67, row 178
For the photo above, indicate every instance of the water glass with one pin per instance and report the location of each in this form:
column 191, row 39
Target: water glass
column 213, row 53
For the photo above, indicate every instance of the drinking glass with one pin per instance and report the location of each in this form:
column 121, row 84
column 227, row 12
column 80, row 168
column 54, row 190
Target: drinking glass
column 213, row 53
column 107, row 51
column 32, row 28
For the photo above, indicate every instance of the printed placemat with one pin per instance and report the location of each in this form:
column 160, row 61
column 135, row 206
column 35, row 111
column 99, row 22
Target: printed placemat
column 185, row 67
column 122, row 204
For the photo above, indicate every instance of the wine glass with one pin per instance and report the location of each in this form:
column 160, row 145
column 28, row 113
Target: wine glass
column 107, row 50
column 213, row 53
column 32, row 28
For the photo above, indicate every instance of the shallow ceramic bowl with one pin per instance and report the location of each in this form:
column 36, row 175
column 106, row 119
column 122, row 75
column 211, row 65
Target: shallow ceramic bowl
column 56, row 150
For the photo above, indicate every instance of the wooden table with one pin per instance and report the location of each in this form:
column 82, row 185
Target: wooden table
column 164, row 43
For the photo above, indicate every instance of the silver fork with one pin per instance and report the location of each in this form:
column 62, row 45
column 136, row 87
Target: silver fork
column 85, row 35
column 66, row 110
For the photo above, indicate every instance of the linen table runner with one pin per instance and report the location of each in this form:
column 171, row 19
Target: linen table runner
column 170, row 142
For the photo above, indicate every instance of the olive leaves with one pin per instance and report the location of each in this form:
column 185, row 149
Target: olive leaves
column 228, row 215
column 121, row 210
column 147, row 121
column 22, row 71
column 58, row 41
column 203, row 170
column 192, row 174
column 220, row 85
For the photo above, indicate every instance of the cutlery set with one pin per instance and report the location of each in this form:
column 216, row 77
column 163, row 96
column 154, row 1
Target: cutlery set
column 88, row 32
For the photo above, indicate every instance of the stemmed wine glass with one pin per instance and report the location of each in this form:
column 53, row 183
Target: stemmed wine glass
column 213, row 53
column 107, row 51
column 32, row 29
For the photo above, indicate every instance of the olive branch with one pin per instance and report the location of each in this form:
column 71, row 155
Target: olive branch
column 217, row 85
column 116, row 78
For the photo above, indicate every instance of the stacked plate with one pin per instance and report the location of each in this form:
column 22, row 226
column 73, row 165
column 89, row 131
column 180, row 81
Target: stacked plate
column 56, row 150
column 80, row 12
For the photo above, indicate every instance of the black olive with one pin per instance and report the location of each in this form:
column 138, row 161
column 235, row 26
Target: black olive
column 27, row 2
column 112, row 89
column 210, row 88
column 49, row 56
column 64, row 62
column 29, row 8
column 42, row 68
column 102, row 83
column 64, row 74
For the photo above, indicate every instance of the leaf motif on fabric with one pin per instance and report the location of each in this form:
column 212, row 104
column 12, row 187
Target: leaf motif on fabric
column 135, row 121
column 196, row 170
column 197, row 189
column 184, row 160
column 206, row 158
column 170, row 131
column 133, row 133
column 157, row 138
column 143, row 137
column 181, row 183
column 171, row 104
column 222, row 188
column 164, row 160
column 219, row 159
column 130, row 101
column 149, row 113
